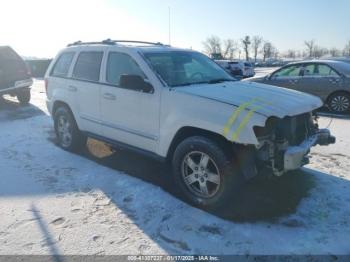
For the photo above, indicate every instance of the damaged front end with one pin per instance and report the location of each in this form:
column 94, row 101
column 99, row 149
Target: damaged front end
column 284, row 144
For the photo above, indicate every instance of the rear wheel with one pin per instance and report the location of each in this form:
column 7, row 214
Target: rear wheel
column 23, row 96
column 205, row 175
column 339, row 102
column 68, row 134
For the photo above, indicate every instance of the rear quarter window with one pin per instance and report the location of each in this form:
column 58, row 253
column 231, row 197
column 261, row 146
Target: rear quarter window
column 88, row 66
column 62, row 65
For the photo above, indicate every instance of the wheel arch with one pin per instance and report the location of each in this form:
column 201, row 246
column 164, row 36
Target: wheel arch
column 340, row 91
column 59, row 103
column 189, row 131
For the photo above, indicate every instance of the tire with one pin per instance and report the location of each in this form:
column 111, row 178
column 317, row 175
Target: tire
column 339, row 102
column 23, row 96
column 67, row 132
column 228, row 180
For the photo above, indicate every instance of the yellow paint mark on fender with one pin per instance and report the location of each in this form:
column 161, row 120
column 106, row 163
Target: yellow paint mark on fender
column 236, row 114
column 244, row 122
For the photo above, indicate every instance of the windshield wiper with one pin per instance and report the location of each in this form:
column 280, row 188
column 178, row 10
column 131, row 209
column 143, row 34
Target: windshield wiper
column 219, row 80
column 189, row 84
column 213, row 81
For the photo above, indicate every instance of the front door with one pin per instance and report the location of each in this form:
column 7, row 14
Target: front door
column 128, row 116
column 287, row 77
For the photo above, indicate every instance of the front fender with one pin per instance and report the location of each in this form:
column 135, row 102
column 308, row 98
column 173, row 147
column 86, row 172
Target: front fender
column 182, row 110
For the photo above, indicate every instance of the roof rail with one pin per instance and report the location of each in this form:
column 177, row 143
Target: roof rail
column 136, row 42
column 90, row 43
column 113, row 42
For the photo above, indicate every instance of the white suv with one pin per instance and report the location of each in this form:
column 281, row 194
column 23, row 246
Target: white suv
column 238, row 68
column 180, row 106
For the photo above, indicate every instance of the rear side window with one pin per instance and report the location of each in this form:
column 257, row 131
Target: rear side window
column 119, row 64
column 324, row 70
column 247, row 65
column 62, row 65
column 88, row 66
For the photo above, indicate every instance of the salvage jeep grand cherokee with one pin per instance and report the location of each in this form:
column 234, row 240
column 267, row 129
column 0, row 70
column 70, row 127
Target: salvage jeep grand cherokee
column 179, row 105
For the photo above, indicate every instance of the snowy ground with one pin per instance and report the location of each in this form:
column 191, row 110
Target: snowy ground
column 99, row 202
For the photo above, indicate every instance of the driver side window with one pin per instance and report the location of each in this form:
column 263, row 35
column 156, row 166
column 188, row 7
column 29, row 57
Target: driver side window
column 121, row 64
column 290, row 71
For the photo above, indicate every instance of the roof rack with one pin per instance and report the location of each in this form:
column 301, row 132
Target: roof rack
column 113, row 42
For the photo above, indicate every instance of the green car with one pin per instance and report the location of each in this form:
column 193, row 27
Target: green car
column 327, row 79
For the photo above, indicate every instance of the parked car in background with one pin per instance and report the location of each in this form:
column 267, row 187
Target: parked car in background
column 327, row 79
column 180, row 106
column 15, row 78
column 231, row 67
column 242, row 69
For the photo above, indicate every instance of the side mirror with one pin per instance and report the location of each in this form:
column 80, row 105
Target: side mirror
column 135, row 82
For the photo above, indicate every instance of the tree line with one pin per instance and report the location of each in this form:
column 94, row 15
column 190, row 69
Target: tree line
column 251, row 47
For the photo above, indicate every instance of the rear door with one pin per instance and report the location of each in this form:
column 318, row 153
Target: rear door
column 85, row 85
column 12, row 68
column 319, row 79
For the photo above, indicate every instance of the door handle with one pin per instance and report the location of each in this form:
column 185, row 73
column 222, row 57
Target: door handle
column 72, row 88
column 109, row 96
column 293, row 81
column 334, row 80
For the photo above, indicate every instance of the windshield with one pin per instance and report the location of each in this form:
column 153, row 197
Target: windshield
column 180, row 68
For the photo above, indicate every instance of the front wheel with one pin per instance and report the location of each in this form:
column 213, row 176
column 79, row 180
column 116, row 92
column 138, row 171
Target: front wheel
column 205, row 174
column 68, row 134
column 339, row 103
column 23, row 96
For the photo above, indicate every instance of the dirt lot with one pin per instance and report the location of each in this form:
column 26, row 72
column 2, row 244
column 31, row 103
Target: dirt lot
column 103, row 202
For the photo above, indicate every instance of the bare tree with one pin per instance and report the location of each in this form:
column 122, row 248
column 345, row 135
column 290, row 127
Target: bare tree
column 310, row 45
column 212, row 45
column 319, row 51
column 268, row 50
column 334, row 52
column 346, row 50
column 229, row 48
column 291, row 54
column 256, row 43
column 246, row 42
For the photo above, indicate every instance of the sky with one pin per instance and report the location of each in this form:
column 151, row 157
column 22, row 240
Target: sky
column 41, row 28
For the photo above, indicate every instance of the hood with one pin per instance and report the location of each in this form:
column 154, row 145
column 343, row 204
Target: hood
column 265, row 99
column 259, row 79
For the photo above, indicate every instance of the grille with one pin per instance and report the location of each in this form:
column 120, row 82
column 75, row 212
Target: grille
column 294, row 129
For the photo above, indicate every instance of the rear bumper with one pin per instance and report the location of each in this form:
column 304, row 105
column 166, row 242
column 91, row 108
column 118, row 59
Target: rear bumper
column 295, row 156
column 26, row 83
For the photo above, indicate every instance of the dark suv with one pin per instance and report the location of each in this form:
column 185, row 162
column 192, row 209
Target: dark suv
column 15, row 78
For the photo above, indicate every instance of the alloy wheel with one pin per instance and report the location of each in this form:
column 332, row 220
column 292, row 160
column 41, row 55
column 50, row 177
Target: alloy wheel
column 200, row 174
column 340, row 103
column 64, row 131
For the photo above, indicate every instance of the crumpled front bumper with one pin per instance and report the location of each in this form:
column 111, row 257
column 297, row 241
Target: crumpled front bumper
column 295, row 156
